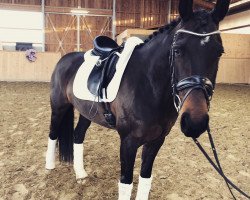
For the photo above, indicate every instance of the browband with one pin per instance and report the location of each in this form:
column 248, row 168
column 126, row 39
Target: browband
column 198, row 34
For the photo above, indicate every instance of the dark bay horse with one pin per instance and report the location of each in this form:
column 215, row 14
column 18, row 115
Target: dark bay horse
column 173, row 72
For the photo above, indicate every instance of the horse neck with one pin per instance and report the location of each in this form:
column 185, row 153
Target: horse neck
column 152, row 62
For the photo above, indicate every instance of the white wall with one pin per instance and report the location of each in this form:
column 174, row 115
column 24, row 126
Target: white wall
column 21, row 26
column 239, row 19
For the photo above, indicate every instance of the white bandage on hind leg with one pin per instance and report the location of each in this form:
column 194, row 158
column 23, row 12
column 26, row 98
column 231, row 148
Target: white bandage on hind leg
column 78, row 162
column 125, row 191
column 51, row 154
column 144, row 187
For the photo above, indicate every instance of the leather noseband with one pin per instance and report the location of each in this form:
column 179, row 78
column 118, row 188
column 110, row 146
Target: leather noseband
column 195, row 82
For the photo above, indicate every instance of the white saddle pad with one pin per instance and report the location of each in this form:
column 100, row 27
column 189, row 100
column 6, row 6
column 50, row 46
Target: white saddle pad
column 80, row 88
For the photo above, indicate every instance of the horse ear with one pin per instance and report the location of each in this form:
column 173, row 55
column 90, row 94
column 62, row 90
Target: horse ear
column 220, row 10
column 186, row 9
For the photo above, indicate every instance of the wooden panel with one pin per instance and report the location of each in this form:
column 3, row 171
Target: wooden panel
column 141, row 14
column 60, row 28
column 233, row 70
column 29, row 2
column 15, row 67
column 234, row 66
column 5, row 1
column 97, row 26
column 67, row 10
column 98, row 4
column 19, row 7
column 58, row 3
column 63, row 28
column 236, row 46
column 23, row 2
column 236, row 20
column 174, row 9
column 141, row 33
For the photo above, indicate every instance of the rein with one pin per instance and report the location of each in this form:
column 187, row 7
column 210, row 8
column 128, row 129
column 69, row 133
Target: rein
column 218, row 166
column 192, row 83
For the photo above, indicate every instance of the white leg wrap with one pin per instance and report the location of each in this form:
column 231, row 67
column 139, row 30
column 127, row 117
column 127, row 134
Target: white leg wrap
column 51, row 154
column 125, row 191
column 78, row 162
column 144, row 187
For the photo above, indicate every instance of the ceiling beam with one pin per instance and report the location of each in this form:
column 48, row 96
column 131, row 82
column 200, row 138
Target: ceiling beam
column 239, row 3
column 204, row 4
column 20, row 7
column 55, row 10
column 239, row 6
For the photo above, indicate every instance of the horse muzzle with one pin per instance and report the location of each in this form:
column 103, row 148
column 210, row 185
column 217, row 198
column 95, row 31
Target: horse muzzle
column 194, row 127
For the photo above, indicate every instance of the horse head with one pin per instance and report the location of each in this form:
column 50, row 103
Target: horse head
column 195, row 53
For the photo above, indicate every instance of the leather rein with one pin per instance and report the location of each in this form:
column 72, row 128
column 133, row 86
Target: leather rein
column 197, row 82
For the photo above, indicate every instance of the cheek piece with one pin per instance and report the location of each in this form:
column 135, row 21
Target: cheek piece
column 195, row 82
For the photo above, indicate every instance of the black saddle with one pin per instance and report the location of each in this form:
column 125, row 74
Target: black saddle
column 104, row 70
column 103, row 46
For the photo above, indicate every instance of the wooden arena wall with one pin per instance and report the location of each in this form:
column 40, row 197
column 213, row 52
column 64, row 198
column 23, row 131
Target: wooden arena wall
column 61, row 26
column 234, row 65
column 15, row 67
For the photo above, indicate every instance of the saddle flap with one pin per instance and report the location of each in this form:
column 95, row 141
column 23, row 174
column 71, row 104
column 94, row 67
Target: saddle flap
column 101, row 75
column 94, row 80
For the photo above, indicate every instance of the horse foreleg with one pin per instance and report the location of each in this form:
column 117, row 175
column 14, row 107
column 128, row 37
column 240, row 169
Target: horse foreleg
column 149, row 153
column 79, row 135
column 128, row 151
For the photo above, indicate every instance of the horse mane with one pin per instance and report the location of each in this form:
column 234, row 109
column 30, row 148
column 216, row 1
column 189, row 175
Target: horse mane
column 164, row 29
column 200, row 13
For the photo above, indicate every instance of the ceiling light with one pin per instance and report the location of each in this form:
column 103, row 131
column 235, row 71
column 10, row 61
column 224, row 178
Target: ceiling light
column 79, row 12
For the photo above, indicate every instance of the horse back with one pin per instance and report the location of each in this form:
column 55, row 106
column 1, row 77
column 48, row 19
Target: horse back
column 67, row 67
column 64, row 72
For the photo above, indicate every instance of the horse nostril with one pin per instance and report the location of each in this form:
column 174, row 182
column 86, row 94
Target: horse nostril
column 206, row 119
column 184, row 122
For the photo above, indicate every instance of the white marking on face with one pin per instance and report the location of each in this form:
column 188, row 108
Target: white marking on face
column 205, row 40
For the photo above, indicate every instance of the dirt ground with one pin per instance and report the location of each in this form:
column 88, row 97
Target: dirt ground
column 180, row 172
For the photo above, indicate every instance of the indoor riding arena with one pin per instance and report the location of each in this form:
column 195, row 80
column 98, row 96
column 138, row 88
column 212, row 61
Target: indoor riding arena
column 35, row 34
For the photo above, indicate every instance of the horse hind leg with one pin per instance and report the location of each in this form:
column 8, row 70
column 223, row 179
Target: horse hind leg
column 149, row 153
column 61, row 131
column 79, row 135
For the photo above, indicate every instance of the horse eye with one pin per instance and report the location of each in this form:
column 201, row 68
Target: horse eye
column 177, row 52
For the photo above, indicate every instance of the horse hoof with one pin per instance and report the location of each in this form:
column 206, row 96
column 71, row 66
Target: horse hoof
column 81, row 181
column 48, row 171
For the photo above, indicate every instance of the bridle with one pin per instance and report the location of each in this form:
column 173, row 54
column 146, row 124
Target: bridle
column 195, row 82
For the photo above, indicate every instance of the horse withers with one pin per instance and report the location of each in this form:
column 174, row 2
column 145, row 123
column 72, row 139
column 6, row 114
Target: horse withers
column 173, row 72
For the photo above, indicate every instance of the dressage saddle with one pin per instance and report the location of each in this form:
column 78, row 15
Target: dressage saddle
column 103, row 46
column 104, row 70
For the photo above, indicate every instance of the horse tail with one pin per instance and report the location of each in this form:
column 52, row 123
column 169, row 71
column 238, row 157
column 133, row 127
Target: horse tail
column 65, row 137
